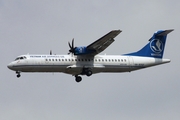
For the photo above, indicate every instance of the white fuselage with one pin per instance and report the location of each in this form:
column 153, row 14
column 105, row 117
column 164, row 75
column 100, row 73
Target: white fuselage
column 71, row 64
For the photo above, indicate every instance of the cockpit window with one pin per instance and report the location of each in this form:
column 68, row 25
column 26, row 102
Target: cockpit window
column 20, row 58
column 17, row 58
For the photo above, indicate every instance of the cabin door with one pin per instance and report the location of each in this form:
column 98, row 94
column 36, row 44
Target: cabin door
column 131, row 63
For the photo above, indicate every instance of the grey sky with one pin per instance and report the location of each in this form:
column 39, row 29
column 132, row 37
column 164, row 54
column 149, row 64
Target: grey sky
column 36, row 27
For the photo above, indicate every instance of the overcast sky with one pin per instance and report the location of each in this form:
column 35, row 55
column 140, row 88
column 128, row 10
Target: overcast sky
column 37, row 26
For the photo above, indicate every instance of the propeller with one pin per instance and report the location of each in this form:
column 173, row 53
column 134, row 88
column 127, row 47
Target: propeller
column 72, row 48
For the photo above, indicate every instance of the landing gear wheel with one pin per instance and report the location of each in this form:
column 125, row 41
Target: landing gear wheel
column 18, row 75
column 88, row 73
column 78, row 78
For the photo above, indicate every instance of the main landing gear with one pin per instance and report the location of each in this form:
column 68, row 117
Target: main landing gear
column 86, row 71
column 78, row 78
column 18, row 74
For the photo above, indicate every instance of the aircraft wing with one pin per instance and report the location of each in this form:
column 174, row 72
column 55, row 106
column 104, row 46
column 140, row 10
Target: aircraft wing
column 103, row 42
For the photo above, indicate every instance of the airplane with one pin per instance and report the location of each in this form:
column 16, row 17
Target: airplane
column 85, row 60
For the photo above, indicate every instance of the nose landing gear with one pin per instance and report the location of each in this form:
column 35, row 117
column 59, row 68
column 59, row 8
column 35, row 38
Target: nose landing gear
column 18, row 74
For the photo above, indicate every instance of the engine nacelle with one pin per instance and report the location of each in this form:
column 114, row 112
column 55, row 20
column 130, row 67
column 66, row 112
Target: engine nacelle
column 82, row 50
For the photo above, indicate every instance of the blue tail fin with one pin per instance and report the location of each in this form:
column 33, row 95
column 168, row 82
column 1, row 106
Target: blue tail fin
column 155, row 47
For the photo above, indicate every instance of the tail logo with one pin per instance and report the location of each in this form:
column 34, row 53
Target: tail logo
column 156, row 46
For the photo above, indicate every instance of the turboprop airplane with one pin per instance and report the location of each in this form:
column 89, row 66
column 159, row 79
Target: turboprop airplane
column 86, row 61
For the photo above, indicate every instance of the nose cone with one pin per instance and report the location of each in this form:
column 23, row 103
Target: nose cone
column 10, row 66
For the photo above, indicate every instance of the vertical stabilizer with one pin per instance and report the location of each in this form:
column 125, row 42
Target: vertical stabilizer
column 155, row 47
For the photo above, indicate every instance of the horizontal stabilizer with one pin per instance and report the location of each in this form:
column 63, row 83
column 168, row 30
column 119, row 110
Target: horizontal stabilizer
column 165, row 32
column 161, row 33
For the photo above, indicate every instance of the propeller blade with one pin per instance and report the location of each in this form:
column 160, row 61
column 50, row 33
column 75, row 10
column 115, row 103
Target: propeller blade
column 71, row 50
column 69, row 45
column 73, row 43
column 50, row 52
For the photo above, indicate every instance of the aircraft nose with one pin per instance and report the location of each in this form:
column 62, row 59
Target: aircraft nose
column 10, row 66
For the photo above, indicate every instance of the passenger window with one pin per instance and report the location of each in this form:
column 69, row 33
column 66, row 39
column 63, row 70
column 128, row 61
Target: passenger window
column 49, row 59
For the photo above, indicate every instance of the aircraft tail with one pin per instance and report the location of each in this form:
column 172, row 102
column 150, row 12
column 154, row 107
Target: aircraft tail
column 155, row 47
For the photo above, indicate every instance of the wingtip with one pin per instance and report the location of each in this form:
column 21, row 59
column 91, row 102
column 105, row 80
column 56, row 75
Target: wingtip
column 117, row 31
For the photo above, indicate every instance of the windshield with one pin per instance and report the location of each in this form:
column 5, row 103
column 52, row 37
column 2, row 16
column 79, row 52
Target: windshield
column 20, row 58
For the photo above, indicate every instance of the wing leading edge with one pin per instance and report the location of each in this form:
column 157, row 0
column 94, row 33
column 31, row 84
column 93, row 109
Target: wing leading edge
column 103, row 42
